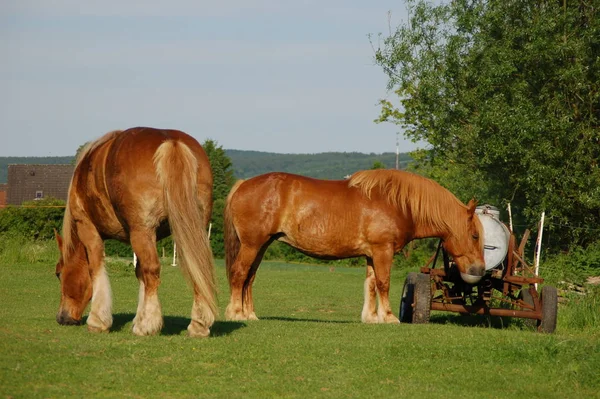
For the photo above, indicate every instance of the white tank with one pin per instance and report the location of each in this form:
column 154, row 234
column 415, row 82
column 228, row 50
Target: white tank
column 495, row 238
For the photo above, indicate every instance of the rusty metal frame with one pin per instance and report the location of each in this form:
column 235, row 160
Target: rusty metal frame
column 451, row 294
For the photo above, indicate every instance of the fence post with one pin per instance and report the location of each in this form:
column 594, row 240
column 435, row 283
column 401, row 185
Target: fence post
column 538, row 247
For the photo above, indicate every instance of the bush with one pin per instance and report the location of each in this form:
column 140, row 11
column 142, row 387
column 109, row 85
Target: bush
column 34, row 220
column 574, row 266
column 117, row 248
column 417, row 253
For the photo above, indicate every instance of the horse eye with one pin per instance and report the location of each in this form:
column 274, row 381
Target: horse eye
column 476, row 236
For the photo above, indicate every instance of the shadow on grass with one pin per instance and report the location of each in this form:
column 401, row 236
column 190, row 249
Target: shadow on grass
column 175, row 325
column 482, row 321
column 308, row 320
column 495, row 322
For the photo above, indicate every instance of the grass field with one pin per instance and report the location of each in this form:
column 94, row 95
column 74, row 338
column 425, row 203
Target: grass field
column 308, row 343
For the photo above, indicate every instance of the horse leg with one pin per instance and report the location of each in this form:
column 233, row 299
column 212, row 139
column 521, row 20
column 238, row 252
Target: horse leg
column 369, row 312
column 148, row 319
column 200, row 324
column 247, row 301
column 142, row 289
column 100, row 317
column 382, row 261
column 239, row 277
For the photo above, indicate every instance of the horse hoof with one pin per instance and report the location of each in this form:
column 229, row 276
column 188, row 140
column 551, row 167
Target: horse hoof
column 235, row 316
column 195, row 330
column 389, row 319
column 372, row 319
column 252, row 316
column 142, row 333
column 95, row 329
column 140, row 330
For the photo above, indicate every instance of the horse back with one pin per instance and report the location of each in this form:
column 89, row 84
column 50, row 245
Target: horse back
column 310, row 214
column 118, row 185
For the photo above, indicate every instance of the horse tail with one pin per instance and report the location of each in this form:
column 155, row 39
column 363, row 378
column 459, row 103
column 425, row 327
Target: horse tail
column 232, row 240
column 177, row 171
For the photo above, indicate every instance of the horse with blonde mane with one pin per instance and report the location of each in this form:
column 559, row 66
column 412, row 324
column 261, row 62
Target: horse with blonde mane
column 137, row 186
column 374, row 214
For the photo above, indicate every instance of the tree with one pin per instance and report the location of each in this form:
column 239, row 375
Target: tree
column 509, row 91
column 34, row 220
column 223, row 180
column 378, row 165
column 79, row 151
column 222, row 169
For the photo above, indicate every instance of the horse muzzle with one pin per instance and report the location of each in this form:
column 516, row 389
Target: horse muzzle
column 64, row 319
column 473, row 274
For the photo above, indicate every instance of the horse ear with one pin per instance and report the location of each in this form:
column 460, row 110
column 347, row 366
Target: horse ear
column 58, row 239
column 471, row 207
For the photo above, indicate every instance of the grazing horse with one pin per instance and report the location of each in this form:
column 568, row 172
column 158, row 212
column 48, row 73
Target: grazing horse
column 137, row 186
column 373, row 214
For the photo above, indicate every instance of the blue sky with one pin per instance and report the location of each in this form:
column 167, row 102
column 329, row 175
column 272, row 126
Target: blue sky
column 278, row 76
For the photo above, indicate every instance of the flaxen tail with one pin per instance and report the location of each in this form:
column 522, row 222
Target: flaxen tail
column 176, row 168
column 232, row 241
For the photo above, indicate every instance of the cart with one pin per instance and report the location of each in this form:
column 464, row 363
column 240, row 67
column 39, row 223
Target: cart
column 508, row 289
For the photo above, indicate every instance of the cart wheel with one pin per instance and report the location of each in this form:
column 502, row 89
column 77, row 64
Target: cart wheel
column 549, row 309
column 407, row 299
column 422, row 299
column 528, row 299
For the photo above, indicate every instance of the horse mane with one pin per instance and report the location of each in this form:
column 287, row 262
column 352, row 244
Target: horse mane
column 67, row 228
column 424, row 199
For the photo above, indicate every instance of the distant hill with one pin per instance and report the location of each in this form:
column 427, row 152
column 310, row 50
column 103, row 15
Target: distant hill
column 326, row 165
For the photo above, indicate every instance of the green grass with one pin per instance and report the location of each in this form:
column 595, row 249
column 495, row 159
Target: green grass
column 308, row 343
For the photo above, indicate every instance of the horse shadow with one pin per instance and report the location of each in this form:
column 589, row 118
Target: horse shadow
column 482, row 321
column 175, row 325
column 294, row 319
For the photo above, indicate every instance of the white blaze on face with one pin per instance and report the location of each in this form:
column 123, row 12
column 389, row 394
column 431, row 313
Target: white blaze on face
column 470, row 279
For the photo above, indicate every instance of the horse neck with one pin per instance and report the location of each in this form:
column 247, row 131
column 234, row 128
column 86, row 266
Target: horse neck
column 441, row 222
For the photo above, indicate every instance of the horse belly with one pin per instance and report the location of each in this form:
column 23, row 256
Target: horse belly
column 321, row 238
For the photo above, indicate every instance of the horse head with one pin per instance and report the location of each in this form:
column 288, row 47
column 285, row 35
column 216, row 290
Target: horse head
column 465, row 244
column 72, row 271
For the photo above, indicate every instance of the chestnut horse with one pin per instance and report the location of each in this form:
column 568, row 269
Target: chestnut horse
column 137, row 186
column 373, row 214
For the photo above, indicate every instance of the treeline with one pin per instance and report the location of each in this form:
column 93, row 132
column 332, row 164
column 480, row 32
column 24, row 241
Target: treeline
column 37, row 222
column 326, row 165
column 246, row 164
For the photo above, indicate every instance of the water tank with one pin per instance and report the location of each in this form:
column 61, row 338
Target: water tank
column 495, row 238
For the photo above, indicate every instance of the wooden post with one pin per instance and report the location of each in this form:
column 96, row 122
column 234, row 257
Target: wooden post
column 510, row 218
column 539, row 247
column 174, row 255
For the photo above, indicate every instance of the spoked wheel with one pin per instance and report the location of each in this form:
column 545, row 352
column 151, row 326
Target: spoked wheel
column 407, row 299
column 422, row 301
column 549, row 309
